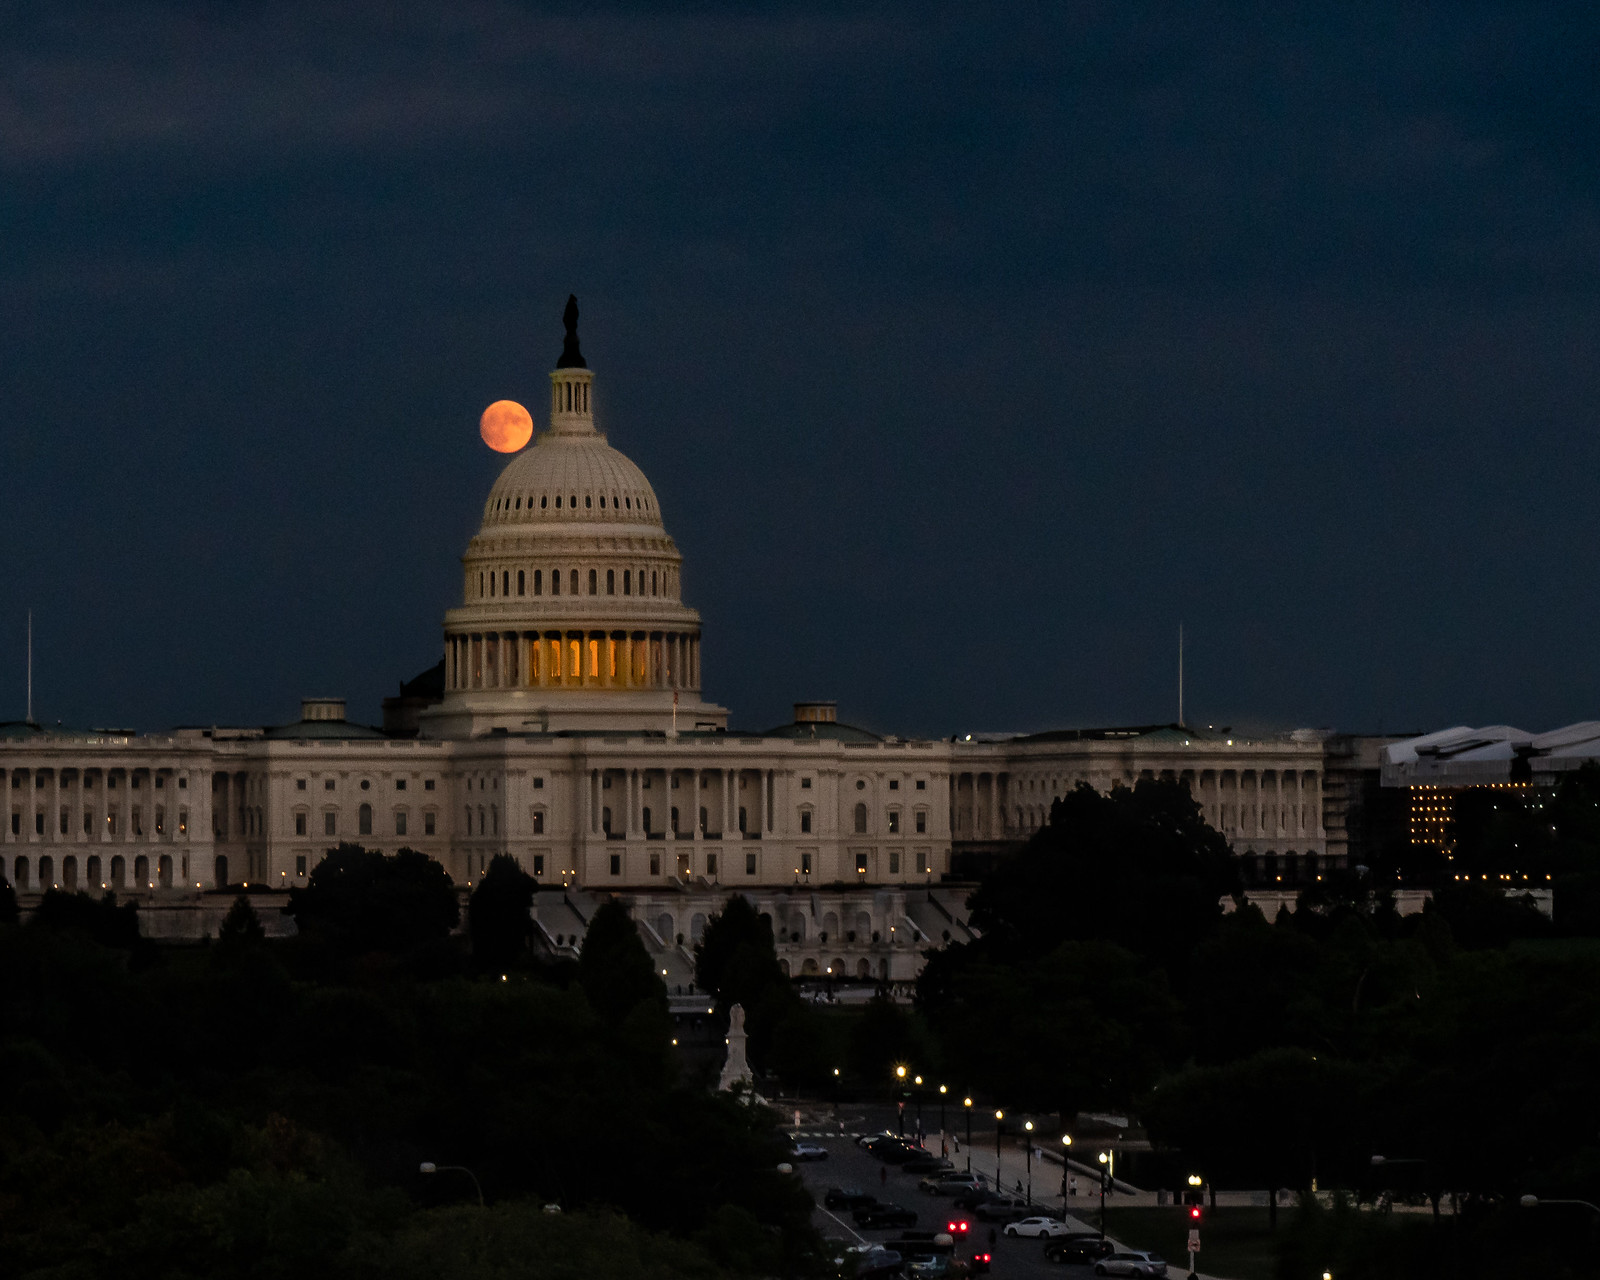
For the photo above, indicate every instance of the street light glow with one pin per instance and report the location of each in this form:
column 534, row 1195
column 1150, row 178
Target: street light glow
column 1066, row 1139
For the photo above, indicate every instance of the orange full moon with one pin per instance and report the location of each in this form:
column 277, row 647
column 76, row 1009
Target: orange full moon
column 505, row 426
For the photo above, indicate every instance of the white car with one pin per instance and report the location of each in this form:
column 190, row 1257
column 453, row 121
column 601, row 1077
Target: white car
column 807, row 1151
column 1043, row 1227
column 1128, row 1262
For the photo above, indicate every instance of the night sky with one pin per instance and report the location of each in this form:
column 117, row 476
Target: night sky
column 969, row 352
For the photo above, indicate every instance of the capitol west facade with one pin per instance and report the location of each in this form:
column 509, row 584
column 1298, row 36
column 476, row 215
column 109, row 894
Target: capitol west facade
column 566, row 727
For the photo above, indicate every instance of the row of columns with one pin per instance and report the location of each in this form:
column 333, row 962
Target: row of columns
column 573, row 660
column 113, row 817
column 633, row 804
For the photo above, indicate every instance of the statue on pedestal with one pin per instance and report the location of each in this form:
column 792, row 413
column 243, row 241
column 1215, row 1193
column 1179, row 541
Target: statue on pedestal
column 736, row 1071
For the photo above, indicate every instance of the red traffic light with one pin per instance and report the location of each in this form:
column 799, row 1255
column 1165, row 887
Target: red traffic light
column 1194, row 1213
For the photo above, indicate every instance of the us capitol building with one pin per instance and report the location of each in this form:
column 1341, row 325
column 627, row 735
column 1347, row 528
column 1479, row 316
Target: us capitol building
column 567, row 727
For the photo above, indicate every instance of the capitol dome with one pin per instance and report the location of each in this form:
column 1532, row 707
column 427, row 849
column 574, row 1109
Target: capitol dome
column 571, row 615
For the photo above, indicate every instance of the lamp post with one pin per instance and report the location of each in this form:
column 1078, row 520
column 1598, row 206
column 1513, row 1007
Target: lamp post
column 836, row 1092
column 1109, row 1173
column 1197, row 1183
column 1533, row 1202
column 1027, row 1127
column 944, row 1146
column 918, row 1083
column 899, row 1104
column 428, row 1166
column 998, row 1117
column 967, row 1105
column 1066, row 1171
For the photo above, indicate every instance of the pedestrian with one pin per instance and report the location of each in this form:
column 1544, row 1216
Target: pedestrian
column 1072, row 1184
column 1019, row 1186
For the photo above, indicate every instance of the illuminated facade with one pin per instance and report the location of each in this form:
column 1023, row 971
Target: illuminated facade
column 566, row 727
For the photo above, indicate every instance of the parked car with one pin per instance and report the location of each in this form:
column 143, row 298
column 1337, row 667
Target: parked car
column 884, row 1215
column 867, row 1139
column 948, row 1182
column 807, row 1151
column 1130, row 1262
column 972, row 1196
column 1078, row 1248
column 926, row 1162
column 1003, row 1209
column 874, row 1261
column 1041, row 1227
column 847, row 1198
column 893, row 1150
column 927, row 1267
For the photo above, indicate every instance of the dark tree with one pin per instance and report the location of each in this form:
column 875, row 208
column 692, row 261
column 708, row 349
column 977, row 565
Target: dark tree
column 8, row 904
column 366, row 901
column 614, row 969
column 499, row 915
column 241, row 932
column 736, row 959
column 1139, row 867
column 98, row 918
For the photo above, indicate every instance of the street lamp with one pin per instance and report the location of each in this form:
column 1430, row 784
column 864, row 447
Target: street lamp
column 1066, row 1171
column 1027, row 1126
column 967, row 1105
column 1533, row 1202
column 899, row 1103
column 1109, row 1173
column 998, row 1117
column 918, row 1083
column 428, row 1166
column 944, row 1146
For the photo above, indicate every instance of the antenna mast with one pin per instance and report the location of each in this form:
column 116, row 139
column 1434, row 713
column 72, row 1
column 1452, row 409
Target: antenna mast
column 1180, row 675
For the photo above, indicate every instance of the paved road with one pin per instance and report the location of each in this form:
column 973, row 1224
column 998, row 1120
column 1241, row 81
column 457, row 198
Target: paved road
column 849, row 1166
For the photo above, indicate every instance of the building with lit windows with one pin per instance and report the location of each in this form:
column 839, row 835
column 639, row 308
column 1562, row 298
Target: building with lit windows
column 566, row 726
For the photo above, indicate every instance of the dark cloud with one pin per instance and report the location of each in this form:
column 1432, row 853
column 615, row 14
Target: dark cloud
column 968, row 350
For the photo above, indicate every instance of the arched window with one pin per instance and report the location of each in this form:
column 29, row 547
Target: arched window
column 594, row 582
column 611, row 582
column 491, row 586
column 555, row 582
column 480, row 585
column 653, row 590
column 522, row 582
column 538, row 582
column 558, row 502
column 544, row 501
column 364, row 820
column 505, row 582
column 574, row 502
column 587, row 502
column 483, row 825
column 627, row 582
column 861, row 819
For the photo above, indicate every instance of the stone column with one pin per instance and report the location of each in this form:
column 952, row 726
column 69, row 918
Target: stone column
column 694, row 805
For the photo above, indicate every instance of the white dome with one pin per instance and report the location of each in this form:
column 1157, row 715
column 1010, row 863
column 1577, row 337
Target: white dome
column 570, row 479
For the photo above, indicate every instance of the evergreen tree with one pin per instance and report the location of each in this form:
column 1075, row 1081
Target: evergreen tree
column 499, row 915
column 614, row 969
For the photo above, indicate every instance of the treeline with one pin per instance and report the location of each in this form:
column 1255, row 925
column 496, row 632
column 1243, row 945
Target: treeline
column 259, row 1109
column 1459, row 1044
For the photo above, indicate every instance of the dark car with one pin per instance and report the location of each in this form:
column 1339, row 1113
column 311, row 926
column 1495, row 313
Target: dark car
column 926, row 1162
column 893, row 1150
column 1003, row 1209
column 847, row 1198
column 884, row 1215
column 972, row 1197
column 978, row 1264
column 1079, row 1249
